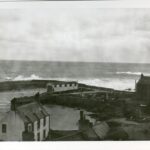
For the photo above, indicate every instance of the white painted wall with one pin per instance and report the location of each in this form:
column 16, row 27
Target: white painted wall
column 15, row 127
column 64, row 87
column 41, row 129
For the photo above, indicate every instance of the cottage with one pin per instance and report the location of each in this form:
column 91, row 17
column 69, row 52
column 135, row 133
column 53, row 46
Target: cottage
column 27, row 122
column 90, row 131
column 61, row 86
column 143, row 89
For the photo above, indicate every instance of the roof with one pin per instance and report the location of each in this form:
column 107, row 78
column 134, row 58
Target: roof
column 31, row 112
column 89, row 134
column 98, row 131
column 101, row 129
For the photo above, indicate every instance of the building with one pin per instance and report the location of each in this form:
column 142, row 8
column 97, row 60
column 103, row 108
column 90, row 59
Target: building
column 90, row 131
column 27, row 122
column 61, row 86
column 143, row 89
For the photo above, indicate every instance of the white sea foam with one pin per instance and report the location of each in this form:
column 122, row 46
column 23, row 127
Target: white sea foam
column 32, row 77
column 111, row 83
column 133, row 73
column 36, row 77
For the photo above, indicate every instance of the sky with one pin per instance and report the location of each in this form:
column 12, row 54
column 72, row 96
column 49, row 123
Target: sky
column 76, row 34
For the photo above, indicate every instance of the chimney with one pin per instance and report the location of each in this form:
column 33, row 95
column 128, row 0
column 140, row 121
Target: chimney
column 13, row 104
column 81, row 115
column 142, row 75
column 37, row 97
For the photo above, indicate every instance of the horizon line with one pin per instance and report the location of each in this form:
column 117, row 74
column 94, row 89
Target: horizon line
column 61, row 61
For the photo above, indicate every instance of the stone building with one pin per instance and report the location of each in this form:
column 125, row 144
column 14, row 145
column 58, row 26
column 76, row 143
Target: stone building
column 27, row 122
column 62, row 86
column 90, row 131
column 143, row 89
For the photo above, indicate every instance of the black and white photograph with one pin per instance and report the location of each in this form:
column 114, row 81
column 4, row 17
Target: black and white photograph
column 75, row 74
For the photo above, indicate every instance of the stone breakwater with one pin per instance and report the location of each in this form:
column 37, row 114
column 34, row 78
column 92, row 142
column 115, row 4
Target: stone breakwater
column 31, row 84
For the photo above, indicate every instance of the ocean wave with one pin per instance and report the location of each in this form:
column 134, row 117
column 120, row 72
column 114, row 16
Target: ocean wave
column 119, row 84
column 21, row 77
column 36, row 77
column 133, row 73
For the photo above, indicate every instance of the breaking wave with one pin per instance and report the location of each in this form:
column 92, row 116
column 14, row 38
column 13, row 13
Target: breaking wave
column 36, row 77
column 32, row 77
column 133, row 73
column 21, row 77
column 119, row 84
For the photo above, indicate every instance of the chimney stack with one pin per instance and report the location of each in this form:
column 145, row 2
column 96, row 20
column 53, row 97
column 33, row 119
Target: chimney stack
column 37, row 97
column 142, row 75
column 81, row 115
column 13, row 104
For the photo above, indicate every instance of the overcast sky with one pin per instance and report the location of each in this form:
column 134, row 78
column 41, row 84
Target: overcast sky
column 75, row 34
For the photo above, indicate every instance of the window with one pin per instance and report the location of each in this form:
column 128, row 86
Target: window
column 4, row 128
column 38, row 136
column 44, row 134
column 38, row 124
column 44, row 121
column 29, row 128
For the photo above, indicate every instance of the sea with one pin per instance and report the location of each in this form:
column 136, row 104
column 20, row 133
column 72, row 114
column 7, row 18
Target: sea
column 120, row 76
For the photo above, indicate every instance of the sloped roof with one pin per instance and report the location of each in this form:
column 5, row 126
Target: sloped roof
column 98, row 131
column 89, row 134
column 101, row 129
column 31, row 112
